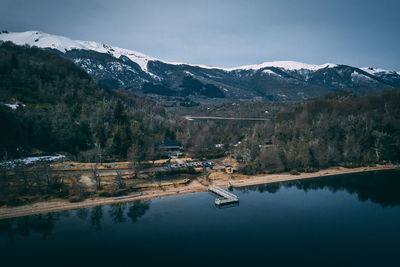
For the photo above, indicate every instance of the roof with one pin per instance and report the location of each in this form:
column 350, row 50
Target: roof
column 171, row 144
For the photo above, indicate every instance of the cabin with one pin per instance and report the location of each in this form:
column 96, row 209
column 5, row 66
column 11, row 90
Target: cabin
column 229, row 169
column 171, row 149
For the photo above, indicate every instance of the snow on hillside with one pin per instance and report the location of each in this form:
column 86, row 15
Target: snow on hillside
column 288, row 65
column 139, row 58
column 356, row 76
column 14, row 106
column 374, row 71
column 270, row 72
column 43, row 40
column 63, row 44
column 30, row 160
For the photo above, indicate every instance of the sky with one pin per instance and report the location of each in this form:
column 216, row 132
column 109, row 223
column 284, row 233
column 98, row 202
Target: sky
column 224, row 33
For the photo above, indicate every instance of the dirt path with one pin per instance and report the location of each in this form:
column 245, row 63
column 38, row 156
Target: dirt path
column 223, row 118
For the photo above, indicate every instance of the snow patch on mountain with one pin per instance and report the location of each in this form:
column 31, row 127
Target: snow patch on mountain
column 374, row 71
column 356, row 76
column 42, row 40
column 270, row 72
column 64, row 44
column 15, row 105
column 288, row 65
column 117, row 52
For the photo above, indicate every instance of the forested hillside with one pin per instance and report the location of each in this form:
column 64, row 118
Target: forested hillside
column 50, row 105
column 341, row 129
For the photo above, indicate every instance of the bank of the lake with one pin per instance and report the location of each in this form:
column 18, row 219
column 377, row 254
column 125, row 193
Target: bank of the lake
column 235, row 181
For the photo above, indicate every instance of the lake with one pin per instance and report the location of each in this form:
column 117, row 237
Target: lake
column 332, row 221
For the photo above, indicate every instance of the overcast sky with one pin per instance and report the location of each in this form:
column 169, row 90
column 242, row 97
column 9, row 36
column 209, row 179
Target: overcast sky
column 224, row 33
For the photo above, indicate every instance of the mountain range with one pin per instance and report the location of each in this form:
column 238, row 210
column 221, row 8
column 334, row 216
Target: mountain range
column 142, row 74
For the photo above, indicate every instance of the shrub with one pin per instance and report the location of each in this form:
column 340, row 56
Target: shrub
column 294, row 172
column 15, row 201
column 75, row 199
column 63, row 193
column 105, row 194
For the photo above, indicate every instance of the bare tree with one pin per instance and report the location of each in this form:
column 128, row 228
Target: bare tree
column 48, row 177
column 22, row 174
column 99, row 152
column 119, row 179
column 96, row 176
column 41, row 176
column 37, row 176
column 134, row 158
column 4, row 182
column 4, row 166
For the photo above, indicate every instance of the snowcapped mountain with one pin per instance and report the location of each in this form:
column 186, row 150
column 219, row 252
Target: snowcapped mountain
column 279, row 80
column 64, row 44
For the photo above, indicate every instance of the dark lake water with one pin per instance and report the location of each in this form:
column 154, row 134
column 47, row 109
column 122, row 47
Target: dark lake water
column 335, row 221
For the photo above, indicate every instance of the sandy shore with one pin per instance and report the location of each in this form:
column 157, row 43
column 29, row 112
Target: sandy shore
column 274, row 178
column 60, row 205
column 194, row 186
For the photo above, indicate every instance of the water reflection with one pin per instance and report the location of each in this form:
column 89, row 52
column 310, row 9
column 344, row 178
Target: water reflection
column 138, row 209
column 25, row 226
column 227, row 206
column 95, row 217
column 378, row 187
column 45, row 223
column 119, row 211
column 82, row 213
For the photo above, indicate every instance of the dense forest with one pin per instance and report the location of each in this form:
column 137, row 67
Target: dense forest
column 60, row 108
column 340, row 129
column 189, row 86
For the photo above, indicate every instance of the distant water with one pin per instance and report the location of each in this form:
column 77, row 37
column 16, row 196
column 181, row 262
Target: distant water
column 343, row 220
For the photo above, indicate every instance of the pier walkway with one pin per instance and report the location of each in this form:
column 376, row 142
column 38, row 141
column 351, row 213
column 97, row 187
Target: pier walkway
column 228, row 198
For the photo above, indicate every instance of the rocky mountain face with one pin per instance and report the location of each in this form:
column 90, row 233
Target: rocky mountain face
column 281, row 80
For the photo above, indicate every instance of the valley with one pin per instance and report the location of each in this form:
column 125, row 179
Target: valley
column 115, row 142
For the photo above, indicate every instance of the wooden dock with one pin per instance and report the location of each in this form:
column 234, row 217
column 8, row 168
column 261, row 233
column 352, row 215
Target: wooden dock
column 228, row 198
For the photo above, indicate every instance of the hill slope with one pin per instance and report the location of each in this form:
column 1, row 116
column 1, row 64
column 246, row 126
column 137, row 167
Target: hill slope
column 48, row 104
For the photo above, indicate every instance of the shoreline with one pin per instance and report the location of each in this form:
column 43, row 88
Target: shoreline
column 193, row 187
column 275, row 178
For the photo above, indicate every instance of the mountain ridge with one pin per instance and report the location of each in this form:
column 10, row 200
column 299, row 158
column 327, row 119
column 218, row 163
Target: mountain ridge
column 277, row 80
column 64, row 44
